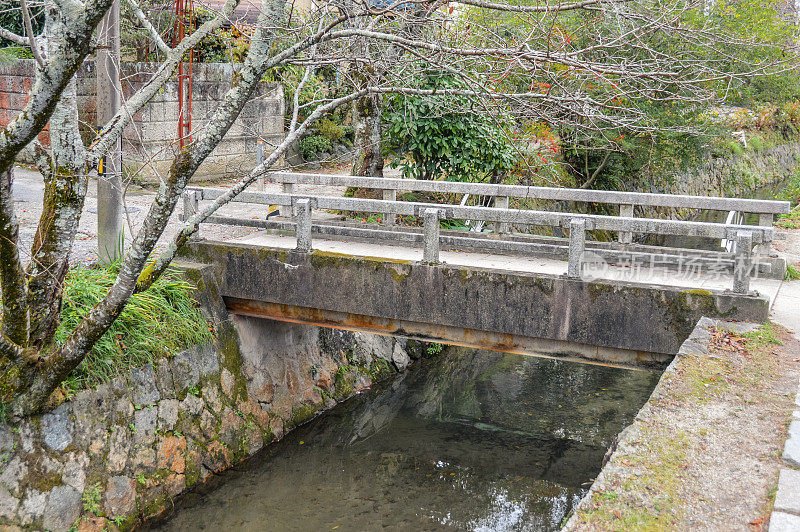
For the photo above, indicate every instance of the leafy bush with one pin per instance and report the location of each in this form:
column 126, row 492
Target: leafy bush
column 155, row 324
column 313, row 145
column 330, row 130
column 443, row 136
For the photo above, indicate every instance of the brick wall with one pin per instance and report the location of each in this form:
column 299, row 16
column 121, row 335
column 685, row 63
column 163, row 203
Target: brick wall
column 150, row 142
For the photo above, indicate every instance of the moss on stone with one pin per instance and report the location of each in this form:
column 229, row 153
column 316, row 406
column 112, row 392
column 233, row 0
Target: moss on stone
column 301, row 413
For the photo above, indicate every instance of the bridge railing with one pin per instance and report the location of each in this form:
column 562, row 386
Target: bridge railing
column 626, row 201
column 301, row 206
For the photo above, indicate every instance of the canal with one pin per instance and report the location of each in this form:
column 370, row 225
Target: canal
column 465, row 440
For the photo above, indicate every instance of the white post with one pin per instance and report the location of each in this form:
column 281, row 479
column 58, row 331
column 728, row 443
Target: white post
column 285, row 210
column 389, row 195
column 303, row 231
column 577, row 243
column 765, row 220
column 109, row 185
column 431, row 221
column 743, row 262
column 259, row 162
column 501, row 202
column 625, row 237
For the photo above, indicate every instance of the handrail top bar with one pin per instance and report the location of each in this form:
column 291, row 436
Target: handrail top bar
column 646, row 199
column 494, row 214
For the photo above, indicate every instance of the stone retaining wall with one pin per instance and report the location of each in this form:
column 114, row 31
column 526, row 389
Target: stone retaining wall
column 120, row 453
column 732, row 176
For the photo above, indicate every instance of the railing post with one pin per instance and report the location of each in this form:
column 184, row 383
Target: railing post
column 259, row 161
column 577, row 243
column 625, row 237
column 303, row 231
column 389, row 195
column 501, row 202
column 743, row 263
column 286, row 210
column 191, row 206
column 431, row 227
column 765, row 220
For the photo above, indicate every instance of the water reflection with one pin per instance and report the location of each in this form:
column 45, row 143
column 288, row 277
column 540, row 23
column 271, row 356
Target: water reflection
column 468, row 440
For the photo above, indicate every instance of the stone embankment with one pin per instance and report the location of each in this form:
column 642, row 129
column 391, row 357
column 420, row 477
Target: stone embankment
column 705, row 450
column 119, row 454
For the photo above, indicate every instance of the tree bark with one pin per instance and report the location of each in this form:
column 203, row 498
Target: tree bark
column 64, row 193
column 368, row 130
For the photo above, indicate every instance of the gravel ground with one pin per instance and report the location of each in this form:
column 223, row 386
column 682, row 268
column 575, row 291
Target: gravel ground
column 29, row 188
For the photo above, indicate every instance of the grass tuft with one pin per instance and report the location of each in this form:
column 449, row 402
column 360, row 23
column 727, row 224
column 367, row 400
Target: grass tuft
column 155, row 324
column 791, row 273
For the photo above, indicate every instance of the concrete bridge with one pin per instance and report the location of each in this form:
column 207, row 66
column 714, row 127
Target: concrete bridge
column 617, row 302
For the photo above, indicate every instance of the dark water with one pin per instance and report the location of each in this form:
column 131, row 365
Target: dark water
column 468, row 440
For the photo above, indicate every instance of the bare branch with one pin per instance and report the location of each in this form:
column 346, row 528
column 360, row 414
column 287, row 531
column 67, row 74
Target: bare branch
column 26, row 20
column 13, row 37
column 112, row 130
column 143, row 20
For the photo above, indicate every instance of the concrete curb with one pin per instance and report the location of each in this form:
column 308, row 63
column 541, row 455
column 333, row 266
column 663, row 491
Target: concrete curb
column 786, row 511
column 696, row 343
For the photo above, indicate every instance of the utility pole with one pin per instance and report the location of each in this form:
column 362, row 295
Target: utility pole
column 109, row 185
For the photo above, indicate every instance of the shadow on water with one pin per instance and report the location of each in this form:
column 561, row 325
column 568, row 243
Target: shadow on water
column 469, row 439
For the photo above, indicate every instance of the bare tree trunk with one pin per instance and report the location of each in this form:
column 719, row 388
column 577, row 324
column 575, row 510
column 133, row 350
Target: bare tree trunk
column 56, row 367
column 367, row 127
column 12, row 277
column 64, row 194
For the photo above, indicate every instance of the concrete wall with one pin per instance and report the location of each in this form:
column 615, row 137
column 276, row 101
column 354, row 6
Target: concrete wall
column 397, row 297
column 153, row 134
column 133, row 445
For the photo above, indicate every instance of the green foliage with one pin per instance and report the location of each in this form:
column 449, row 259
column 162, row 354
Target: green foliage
column 434, row 348
column 313, row 145
column 91, row 498
column 11, row 19
column 790, row 220
column 791, row 191
column 791, row 273
column 154, row 324
column 330, row 130
column 446, row 136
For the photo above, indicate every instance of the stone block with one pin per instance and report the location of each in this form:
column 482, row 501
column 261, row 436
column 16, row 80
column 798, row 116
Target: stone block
column 791, row 449
column 32, row 507
column 145, row 421
column 8, row 504
column 783, row 522
column 62, row 509
column 143, row 381
column 120, row 496
column 119, row 446
column 168, row 413
column 185, row 370
column 57, row 428
column 13, row 473
column 787, row 498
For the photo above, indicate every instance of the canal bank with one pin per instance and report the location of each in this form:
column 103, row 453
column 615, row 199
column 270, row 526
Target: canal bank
column 465, row 440
column 705, row 451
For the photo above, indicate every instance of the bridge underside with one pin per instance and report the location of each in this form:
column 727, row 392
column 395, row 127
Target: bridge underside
column 599, row 321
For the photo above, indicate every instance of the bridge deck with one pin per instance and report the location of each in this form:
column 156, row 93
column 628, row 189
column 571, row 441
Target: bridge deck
column 520, row 263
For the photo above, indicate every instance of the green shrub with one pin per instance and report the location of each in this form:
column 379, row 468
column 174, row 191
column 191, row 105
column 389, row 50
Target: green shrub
column 446, row 136
column 155, row 324
column 313, row 145
column 330, row 130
